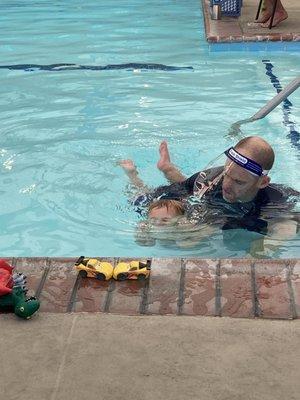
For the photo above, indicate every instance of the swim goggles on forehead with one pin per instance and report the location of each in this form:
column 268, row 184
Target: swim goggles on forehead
column 251, row 166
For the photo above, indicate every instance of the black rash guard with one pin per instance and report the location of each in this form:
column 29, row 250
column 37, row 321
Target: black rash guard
column 271, row 202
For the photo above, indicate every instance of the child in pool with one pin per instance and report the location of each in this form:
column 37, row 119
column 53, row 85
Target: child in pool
column 163, row 211
column 166, row 220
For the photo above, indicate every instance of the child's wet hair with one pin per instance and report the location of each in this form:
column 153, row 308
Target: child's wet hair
column 169, row 204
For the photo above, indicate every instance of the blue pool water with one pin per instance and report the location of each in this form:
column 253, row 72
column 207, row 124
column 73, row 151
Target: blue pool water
column 64, row 130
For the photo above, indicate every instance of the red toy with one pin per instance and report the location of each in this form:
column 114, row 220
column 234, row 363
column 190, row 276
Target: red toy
column 6, row 278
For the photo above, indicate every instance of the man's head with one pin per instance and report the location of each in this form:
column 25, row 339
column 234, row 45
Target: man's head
column 238, row 183
column 165, row 211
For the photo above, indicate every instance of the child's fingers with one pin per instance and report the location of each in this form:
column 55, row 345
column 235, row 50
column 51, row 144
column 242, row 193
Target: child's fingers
column 124, row 163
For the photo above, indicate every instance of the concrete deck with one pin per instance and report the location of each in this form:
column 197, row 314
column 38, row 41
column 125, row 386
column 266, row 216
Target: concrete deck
column 110, row 357
column 230, row 30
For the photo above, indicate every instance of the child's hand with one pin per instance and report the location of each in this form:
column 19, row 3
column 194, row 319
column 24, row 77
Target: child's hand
column 128, row 165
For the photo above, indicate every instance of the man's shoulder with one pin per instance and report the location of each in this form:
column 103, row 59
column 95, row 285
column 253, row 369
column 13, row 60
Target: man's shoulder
column 277, row 193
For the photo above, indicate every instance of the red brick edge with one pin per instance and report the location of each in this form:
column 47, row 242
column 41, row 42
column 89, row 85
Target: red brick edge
column 243, row 288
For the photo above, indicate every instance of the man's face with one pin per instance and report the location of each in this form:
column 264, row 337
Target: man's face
column 238, row 184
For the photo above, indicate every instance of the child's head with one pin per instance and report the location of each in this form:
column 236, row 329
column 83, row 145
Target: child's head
column 165, row 211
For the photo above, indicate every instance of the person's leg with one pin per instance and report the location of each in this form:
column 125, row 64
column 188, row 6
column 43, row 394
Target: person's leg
column 266, row 11
column 164, row 164
column 279, row 16
column 132, row 172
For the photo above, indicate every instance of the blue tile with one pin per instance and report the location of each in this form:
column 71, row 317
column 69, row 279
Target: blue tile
column 255, row 46
column 216, row 47
column 292, row 46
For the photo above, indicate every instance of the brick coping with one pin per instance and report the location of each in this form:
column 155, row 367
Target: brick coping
column 244, row 288
column 233, row 30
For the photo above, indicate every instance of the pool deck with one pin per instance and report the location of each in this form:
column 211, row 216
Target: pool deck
column 115, row 357
column 241, row 29
column 160, row 339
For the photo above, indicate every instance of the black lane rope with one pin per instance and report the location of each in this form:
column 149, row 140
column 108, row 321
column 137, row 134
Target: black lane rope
column 72, row 67
column 294, row 135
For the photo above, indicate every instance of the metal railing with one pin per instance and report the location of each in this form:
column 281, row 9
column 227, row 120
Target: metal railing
column 265, row 110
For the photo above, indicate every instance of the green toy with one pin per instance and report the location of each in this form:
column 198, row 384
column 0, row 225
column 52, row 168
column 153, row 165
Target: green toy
column 13, row 292
column 17, row 302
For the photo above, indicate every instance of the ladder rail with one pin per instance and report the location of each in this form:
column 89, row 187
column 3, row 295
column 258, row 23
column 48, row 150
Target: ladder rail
column 267, row 108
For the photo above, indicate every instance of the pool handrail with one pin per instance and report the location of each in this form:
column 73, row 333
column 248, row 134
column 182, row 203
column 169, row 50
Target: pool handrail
column 266, row 109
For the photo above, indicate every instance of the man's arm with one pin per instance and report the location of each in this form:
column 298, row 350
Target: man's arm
column 279, row 231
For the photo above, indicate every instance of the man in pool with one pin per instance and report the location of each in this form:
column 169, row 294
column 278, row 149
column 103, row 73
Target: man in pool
column 241, row 189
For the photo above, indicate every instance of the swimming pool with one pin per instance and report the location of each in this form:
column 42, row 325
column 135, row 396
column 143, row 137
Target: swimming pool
column 64, row 129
